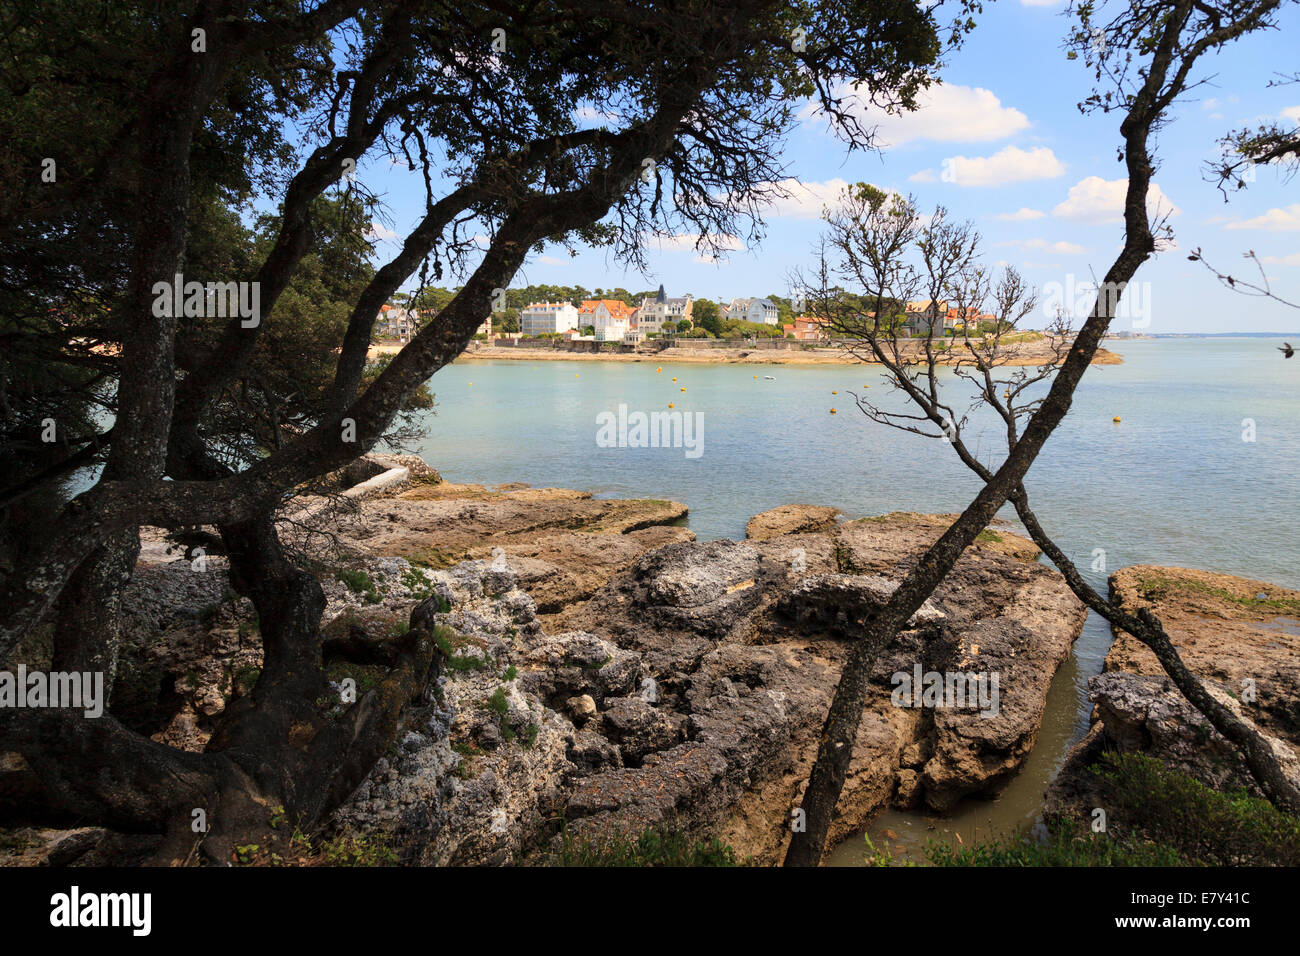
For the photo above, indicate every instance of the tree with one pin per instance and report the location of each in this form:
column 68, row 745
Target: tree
column 705, row 314
column 1148, row 49
column 198, row 100
column 684, row 325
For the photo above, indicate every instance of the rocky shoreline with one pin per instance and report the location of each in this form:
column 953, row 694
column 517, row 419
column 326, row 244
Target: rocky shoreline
column 603, row 671
column 1240, row 636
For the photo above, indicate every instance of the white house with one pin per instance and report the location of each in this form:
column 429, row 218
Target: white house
column 396, row 323
column 611, row 318
column 763, row 311
column 662, row 310
column 540, row 317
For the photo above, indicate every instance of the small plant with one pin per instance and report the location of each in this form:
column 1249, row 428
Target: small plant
column 246, row 677
column 244, row 854
column 497, row 703
column 511, row 672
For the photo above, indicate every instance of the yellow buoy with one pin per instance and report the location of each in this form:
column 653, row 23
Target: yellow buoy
column 833, row 392
column 575, row 374
column 471, row 383
column 670, row 404
column 832, row 411
column 683, row 388
column 1116, row 419
column 674, row 378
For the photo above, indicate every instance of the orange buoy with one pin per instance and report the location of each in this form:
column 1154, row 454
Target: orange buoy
column 832, row 411
column 1116, row 419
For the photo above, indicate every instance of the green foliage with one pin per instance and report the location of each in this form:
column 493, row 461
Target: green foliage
column 1069, row 844
column 1219, row 829
column 450, row 643
column 1156, row 816
column 654, row 847
column 245, row 678
column 357, row 850
column 359, row 582
column 497, row 702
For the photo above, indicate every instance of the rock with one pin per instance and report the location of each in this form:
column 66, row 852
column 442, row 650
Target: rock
column 1244, row 649
column 640, row 728
column 840, row 601
column 581, row 708
column 791, row 519
column 1223, row 633
column 1150, row 715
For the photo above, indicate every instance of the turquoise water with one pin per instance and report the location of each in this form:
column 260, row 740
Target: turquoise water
column 1173, row 483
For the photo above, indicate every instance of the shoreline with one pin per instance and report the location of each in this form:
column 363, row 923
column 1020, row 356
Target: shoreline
column 737, row 356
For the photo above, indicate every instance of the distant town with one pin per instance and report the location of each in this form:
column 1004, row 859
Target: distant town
column 571, row 314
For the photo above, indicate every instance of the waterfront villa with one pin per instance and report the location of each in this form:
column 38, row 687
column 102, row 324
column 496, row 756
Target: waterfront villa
column 662, row 310
column 611, row 318
column 538, row 318
column 395, row 322
column 806, row 328
column 759, row 311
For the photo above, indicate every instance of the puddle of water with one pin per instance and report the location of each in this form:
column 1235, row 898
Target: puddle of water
column 1019, row 804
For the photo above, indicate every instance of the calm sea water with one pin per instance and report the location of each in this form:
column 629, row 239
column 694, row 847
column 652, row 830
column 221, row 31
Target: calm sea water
column 1173, row 483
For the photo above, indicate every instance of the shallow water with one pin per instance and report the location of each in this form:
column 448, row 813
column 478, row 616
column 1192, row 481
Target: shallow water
column 1174, row 483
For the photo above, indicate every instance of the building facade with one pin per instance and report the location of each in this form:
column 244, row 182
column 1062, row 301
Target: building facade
column 538, row 318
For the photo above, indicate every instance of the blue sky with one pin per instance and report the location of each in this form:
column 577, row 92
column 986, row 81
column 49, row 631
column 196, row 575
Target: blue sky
column 1001, row 142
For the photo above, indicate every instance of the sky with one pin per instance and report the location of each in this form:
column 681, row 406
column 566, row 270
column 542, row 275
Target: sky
column 1002, row 143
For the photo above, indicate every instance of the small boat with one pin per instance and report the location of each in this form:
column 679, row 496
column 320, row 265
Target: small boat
column 770, row 378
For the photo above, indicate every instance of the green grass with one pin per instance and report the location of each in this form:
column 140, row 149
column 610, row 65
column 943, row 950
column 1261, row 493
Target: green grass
column 451, row 643
column 1154, row 587
column 359, row 582
column 1157, row 816
column 652, row 848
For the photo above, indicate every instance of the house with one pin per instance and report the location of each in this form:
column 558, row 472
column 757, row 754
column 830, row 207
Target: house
column 486, row 327
column 654, row 314
column 736, row 309
column 394, row 322
column 633, row 337
column 538, row 318
column 763, row 311
column 927, row 314
column 612, row 318
column 806, row 328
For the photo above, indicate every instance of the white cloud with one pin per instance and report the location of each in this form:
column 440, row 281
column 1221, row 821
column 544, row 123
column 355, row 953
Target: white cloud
column 378, row 230
column 946, row 113
column 1291, row 113
column 1290, row 260
column 1061, row 248
column 1275, row 220
column 1023, row 214
column 1010, row 164
column 1098, row 201
column 552, row 260
column 806, row 200
column 689, row 241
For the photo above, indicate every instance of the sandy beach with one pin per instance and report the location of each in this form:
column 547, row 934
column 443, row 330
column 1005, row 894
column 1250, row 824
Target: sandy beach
column 1026, row 355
